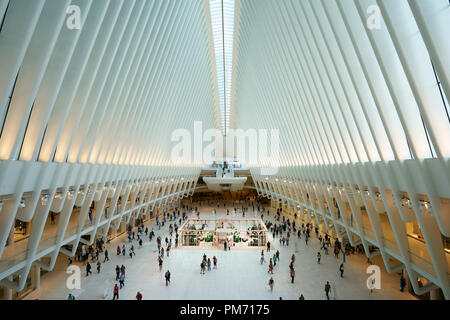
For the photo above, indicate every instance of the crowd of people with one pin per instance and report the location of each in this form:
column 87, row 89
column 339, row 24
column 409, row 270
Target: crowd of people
column 282, row 229
column 91, row 254
column 206, row 263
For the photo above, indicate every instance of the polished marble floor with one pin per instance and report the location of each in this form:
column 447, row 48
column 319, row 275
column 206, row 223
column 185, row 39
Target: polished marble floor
column 239, row 274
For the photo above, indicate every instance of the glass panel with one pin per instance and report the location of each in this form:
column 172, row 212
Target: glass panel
column 222, row 20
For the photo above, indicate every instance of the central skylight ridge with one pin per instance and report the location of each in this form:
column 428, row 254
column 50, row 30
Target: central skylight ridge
column 222, row 20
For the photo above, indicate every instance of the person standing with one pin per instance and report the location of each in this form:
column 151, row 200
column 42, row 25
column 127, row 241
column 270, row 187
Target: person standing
column 292, row 275
column 215, row 262
column 116, row 292
column 139, row 296
column 70, row 297
column 402, row 284
column 202, row 267
column 209, row 264
column 301, row 297
column 262, row 256
column 327, row 290
column 341, row 269
column 167, row 275
column 318, row 257
column 117, row 272
column 271, row 283
column 268, row 246
column 99, row 264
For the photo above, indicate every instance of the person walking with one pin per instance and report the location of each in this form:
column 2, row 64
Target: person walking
column 116, row 292
column 270, row 267
column 301, row 297
column 139, row 296
column 122, row 280
column 341, row 269
column 262, row 256
column 160, row 263
column 99, row 264
column 123, row 250
column 88, row 269
column 209, row 264
column 268, row 246
column 271, row 283
column 292, row 275
column 327, row 290
column 106, row 256
column 167, row 275
column 215, row 262
column 318, row 257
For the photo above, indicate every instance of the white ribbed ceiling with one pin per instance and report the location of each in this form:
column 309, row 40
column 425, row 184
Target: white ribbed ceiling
column 338, row 91
column 110, row 93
